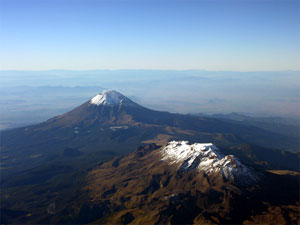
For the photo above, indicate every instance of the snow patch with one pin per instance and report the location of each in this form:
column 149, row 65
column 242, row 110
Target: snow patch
column 114, row 128
column 206, row 157
column 108, row 98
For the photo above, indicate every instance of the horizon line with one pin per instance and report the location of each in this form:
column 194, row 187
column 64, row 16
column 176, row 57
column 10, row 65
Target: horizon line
column 178, row 70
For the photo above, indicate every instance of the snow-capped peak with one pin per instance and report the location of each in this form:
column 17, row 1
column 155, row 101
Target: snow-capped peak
column 108, row 98
column 207, row 157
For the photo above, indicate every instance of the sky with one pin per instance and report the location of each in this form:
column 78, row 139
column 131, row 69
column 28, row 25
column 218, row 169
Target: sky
column 177, row 35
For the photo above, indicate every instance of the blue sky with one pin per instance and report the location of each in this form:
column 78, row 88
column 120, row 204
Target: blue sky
column 94, row 34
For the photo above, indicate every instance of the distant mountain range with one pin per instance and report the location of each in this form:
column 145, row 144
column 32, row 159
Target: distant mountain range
column 49, row 161
column 285, row 126
column 258, row 93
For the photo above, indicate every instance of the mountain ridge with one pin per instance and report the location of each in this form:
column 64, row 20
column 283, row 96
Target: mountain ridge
column 208, row 158
column 143, row 189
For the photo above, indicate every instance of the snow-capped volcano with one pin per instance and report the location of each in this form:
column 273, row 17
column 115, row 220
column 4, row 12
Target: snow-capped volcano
column 206, row 157
column 155, row 192
column 110, row 98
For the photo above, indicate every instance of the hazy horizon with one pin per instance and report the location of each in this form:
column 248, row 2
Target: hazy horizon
column 133, row 69
column 27, row 95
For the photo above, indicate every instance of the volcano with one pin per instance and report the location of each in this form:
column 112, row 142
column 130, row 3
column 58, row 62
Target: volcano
column 182, row 183
column 55, row 167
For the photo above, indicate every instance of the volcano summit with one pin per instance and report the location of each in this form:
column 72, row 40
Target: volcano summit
column 111, row 98
column 207, row 158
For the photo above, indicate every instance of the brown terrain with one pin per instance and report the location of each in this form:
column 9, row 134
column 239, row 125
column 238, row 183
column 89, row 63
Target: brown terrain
column 141, row 189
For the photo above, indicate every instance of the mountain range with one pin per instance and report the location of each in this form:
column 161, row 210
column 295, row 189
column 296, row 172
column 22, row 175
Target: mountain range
column 57, row 166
